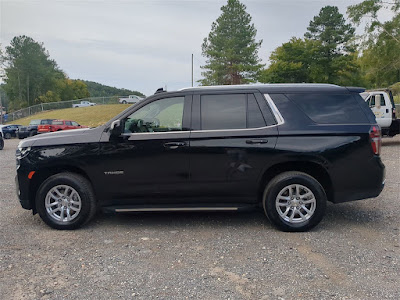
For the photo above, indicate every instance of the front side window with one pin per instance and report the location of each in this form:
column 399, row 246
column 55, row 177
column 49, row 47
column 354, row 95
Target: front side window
column 162, row 115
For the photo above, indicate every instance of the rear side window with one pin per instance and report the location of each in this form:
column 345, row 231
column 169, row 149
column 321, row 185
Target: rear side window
column 57, row 123
column 231, row 111
column 330, row 109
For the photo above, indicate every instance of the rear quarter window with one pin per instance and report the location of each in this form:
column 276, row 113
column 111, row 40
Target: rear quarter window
column 330, row 109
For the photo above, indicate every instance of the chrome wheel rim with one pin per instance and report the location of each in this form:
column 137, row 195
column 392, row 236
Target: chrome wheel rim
column 295, row 203
column 63, row 203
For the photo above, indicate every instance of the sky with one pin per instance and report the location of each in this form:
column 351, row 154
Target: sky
column 145, row 44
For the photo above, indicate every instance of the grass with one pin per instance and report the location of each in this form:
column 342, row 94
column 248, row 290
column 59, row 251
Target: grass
column 397, row 99
column 92, row 116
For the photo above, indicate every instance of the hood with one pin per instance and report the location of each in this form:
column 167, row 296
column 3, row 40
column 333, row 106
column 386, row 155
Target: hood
column 65, row 137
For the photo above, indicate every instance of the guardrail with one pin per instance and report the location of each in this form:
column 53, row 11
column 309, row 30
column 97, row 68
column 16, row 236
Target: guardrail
column 26, row 112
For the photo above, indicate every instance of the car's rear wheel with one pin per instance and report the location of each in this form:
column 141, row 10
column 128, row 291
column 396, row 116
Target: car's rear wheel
column 66, row 201
column 7, row 135
column 124, row 102
column 294, row 201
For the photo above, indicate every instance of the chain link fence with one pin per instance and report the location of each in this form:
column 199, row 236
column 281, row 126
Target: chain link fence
column 26, row 112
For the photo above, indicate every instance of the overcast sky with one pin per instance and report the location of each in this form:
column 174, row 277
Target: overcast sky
column 144, row 44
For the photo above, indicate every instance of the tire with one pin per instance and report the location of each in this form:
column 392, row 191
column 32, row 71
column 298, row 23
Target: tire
column 7, row 136
column 1, row 144
column 70, row 195
column 301, row 212
column 124, row 102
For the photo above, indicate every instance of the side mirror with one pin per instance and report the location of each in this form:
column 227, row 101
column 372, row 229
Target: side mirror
column 115, row 129
column 115, row 124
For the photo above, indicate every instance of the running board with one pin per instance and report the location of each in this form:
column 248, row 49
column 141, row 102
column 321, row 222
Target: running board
column 175, row 209
column 171, row 208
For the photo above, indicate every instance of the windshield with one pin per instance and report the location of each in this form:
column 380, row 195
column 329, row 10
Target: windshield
column 34, row 122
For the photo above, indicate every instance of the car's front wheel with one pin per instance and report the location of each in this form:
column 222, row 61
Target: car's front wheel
column 7, row 136
column 294, row 201
column 66, row 201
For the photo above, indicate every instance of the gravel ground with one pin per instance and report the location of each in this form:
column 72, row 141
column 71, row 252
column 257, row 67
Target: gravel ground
column 353, row 254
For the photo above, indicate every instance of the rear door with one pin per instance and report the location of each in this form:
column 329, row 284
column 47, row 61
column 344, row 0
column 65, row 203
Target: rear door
column 232, row 141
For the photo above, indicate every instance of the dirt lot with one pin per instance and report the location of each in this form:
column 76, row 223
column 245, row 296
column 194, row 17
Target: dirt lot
column 353, row 254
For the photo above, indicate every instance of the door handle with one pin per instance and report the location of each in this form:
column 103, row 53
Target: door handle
column 257, row 141
column 174, row 145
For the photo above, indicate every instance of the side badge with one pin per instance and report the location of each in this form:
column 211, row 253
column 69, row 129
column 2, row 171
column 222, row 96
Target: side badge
column 114, row 173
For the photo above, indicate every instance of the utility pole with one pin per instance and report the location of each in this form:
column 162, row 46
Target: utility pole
column 192, row 69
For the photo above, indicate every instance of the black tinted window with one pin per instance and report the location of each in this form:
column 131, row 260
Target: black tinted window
column 330, row 109
column 255, row 118
column 223, row 112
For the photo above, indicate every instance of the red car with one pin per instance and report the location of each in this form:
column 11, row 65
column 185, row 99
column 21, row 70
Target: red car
column 57, row 125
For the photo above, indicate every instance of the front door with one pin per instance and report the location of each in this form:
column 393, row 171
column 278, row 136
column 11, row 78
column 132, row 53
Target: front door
column 149, row 163
column 381, row 109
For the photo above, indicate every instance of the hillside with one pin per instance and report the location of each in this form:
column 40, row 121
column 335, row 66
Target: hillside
column 89, row 116
column 100, row 90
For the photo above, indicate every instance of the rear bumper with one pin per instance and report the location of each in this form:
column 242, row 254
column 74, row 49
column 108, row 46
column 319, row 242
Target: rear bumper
column 371, row 181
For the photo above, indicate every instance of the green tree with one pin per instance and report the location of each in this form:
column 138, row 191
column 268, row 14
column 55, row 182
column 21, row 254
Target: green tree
column 29, row 71
column 230, row 48
column 101, row 90
column 335, row 36
column 294, row 61
column 380, row 59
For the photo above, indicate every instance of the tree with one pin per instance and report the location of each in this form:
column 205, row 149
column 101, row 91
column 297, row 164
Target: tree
column 101, row 90
column 335, row 36
column 380, row 59
column 324, row 55
column 29, row 71
column 230, row 48
column 294, row 61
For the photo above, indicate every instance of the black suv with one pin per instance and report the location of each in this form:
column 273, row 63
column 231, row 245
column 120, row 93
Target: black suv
column 285, row 148
column 32, row 128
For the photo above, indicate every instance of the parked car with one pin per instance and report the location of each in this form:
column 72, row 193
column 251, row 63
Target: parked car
column 84, row 104
column 382, row 105
column 1, row 142
column 58, row 125
column 9, row 131
column 285, row 148
column 130, row 99
column 32, row 128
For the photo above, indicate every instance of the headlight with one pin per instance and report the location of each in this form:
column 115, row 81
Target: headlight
column 22, row 152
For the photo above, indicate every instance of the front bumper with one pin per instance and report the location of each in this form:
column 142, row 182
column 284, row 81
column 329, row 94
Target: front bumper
column 22, row 189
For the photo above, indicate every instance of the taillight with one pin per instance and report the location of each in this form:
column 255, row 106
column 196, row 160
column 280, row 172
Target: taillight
column 376, row 139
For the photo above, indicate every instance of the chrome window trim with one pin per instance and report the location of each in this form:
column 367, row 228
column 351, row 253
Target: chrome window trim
column 269, row 100
column 274, row 109
column 225, row 130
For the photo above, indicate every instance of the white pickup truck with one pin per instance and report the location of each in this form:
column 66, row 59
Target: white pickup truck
column 84, row 104
column 130, row 99
column 382, row 105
